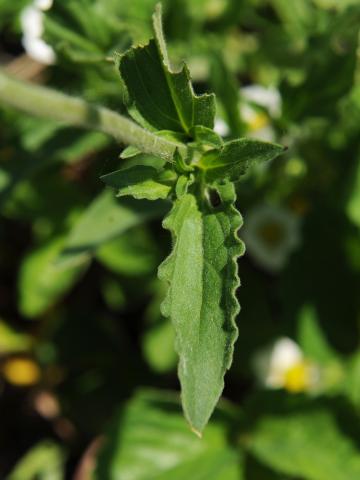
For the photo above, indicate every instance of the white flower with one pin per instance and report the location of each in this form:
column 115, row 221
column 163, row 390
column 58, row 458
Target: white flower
column 270, row 234
column 267, row 97
column 32, row 24
column 258, row 121
column 221, row 127
column 283, row 365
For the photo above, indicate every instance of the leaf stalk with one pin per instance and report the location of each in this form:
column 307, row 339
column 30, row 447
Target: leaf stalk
column 48, row 103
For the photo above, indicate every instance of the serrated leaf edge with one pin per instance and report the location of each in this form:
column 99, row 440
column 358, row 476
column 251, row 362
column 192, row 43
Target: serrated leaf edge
column 168, row 70
column 165, row 276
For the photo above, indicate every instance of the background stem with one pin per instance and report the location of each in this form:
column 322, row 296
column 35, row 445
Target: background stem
column 45, row 102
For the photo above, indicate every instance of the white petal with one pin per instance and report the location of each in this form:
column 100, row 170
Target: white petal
column 31, row 20
column 271, row 256
column 266, row 133
column 221, row 127
column 266, row 97
column 286, row 353
column 40, row 51
column 43, row 4
column 271, row 363
column 247, row 112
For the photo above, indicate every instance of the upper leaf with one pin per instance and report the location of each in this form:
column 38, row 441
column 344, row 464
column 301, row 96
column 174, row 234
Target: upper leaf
column 236, row 156
column 160, row 97
column 141, row 182
column 202, row 276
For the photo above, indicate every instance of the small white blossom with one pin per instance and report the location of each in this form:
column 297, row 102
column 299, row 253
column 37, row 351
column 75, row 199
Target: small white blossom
column 258, row 121
column 273, row 363
column 32, row 24
column 221, row 127
column 271, row 234
column 267, row 97
column 282, row 365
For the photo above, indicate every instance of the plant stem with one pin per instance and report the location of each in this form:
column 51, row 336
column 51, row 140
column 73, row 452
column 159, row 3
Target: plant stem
column 47, row 103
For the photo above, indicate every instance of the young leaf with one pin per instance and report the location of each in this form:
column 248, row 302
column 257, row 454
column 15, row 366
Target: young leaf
column 145, row 159
column 226, row 88
column 235, row 157
column 300, row 444
column 141, row 182
column 159, row 96
column 202, row 276
column 13, row 341
column 45, row 460
column 130, row 152
column 353, row 203
column 206, row 136
column 311, row 337
column 42, row 281
column 149, row 440
column 132, row 254
column 105, row 219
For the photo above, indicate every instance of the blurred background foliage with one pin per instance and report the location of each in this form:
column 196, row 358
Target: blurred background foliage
column 87, row 363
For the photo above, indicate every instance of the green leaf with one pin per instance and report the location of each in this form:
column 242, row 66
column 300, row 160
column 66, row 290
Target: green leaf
column 141, row 182
column 105, row 219
column 159, row 337
column 133, row 253
column 159, row 96
column 42, row 281
column 144, row 159
column 227, row 90
column 206, row 136
column 45, row 461
column 351, row 387
column 158, row 347
column 257, row 471
column 130, row 152
column 12, row 341
column 312, row 339
column 297, row 17
column 236, row 156
column 202, row 276
column 353, row 203
column 149, row 440
column 306, row 444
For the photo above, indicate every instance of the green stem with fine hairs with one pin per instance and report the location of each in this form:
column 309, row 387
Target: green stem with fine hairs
column 45, row 102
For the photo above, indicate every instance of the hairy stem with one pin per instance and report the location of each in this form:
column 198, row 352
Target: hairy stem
column 45, row 102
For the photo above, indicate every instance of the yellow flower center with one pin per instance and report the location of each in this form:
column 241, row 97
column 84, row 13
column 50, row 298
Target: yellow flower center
column 298, row 378
column 259, row 121
column 272, row 233
column 21, row 372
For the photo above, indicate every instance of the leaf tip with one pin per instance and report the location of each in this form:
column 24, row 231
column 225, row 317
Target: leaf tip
column 157, row 16
column 104, row 178
column 197, row 432
column 158, row 8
